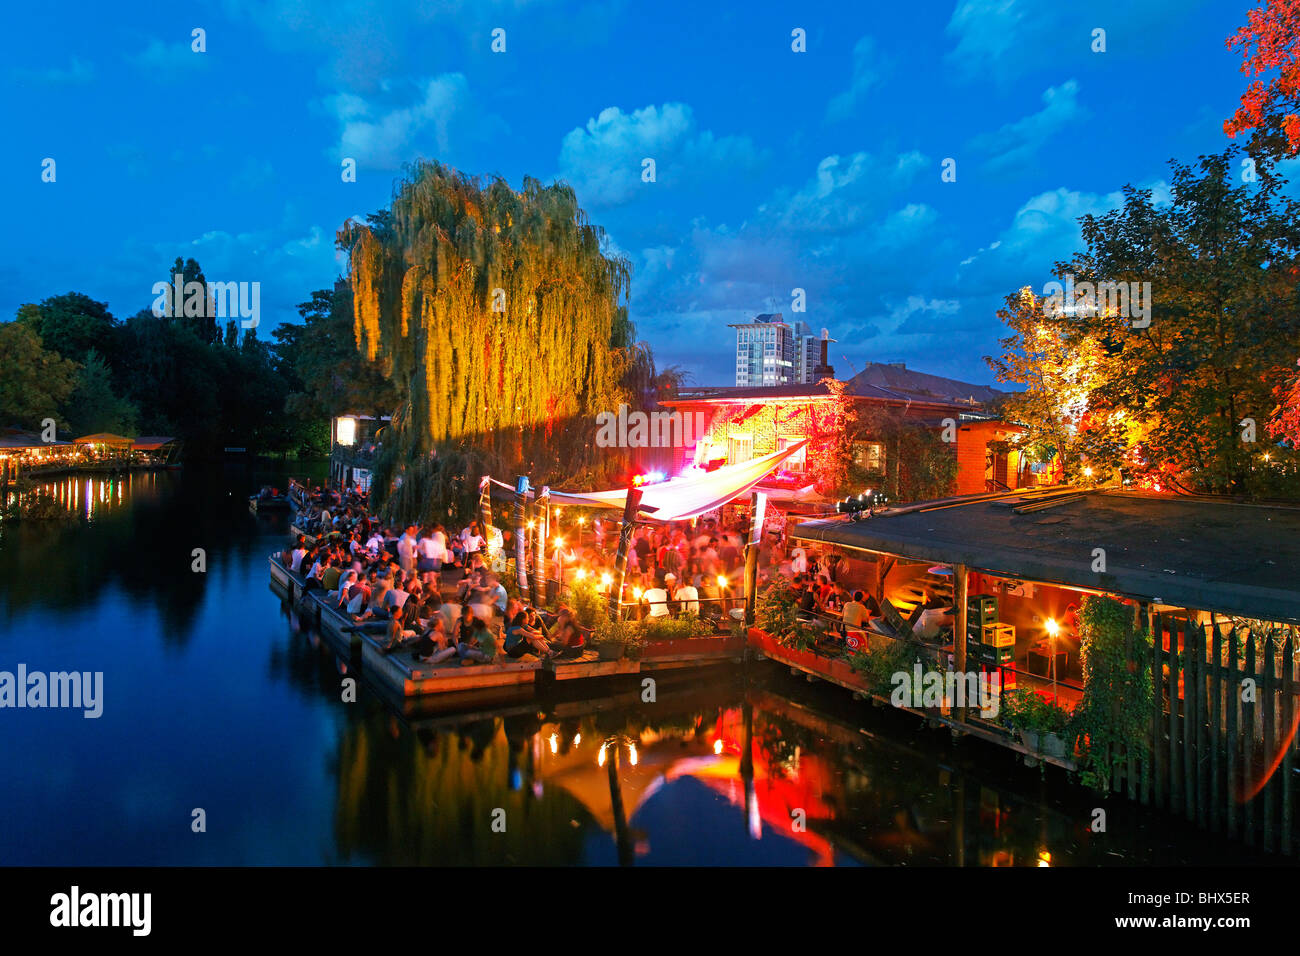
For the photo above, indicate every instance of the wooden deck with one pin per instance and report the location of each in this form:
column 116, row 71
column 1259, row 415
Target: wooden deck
column 405, row 677
column 404, row 674
column 589, row 665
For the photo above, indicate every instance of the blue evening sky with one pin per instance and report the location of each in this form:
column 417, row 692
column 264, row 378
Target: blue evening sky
column 776, row 170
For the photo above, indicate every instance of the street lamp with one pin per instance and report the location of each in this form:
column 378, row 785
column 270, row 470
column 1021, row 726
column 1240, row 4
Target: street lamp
column 1052, row 630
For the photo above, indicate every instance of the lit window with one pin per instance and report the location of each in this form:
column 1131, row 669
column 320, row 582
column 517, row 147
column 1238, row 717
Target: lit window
column 346, row 432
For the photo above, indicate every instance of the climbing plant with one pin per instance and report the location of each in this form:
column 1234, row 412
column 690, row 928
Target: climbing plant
column 1114, row 716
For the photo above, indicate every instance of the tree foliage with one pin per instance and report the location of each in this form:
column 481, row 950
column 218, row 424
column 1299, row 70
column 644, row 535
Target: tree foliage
column 36, row 380
column 1270, row 44
column 498, row 318
column 1183, row 397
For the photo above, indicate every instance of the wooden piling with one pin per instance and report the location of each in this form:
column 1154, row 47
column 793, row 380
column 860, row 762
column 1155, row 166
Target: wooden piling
column 1268, row 712
column 1248, row 741
column 1288, row 718
column 1216, row 726
column 1232, row 701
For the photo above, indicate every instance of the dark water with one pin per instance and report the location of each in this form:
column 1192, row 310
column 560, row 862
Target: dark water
column 216, row 698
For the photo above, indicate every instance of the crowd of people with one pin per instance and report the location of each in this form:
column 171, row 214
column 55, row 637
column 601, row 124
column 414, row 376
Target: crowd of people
column 439, row 594
column 426, row 590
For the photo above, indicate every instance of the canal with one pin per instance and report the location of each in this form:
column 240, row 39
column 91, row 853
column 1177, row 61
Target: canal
column 220, row 707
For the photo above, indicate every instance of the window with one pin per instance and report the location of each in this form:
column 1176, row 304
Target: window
column 740, row 448
column 797, row 462
column 869, row 456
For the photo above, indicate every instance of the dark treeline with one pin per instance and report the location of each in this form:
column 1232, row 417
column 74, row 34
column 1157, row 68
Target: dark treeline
column 212, row 384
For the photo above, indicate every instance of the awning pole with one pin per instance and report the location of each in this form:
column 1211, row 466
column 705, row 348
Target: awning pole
column 620, row 560
column 758, row 510
column 521, row 542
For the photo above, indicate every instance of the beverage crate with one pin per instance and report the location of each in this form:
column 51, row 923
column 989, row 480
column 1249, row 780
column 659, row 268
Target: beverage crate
column 981, row 609
column 998, row 635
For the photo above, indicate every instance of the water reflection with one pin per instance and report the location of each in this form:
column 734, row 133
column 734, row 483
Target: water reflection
column 224, row 699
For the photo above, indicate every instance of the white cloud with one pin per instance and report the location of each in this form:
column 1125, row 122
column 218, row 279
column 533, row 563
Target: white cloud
column 384, row 136
column 868, row 66
column 1015, row 144
column 603, row 160
column 844, row 194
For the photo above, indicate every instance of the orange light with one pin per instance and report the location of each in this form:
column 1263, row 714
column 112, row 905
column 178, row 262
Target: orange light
column 1052, row 627
column 580, row 573
column 606, row 580
column 717, row 746
column 722, row 580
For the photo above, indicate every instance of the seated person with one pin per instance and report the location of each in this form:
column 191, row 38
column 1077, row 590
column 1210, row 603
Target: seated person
column 399, row 632
column 434, row 646
column 523, row 638
column 566, row 635
column 481, row 647
column 855, row 613
column 688, row 598
column 656, row 599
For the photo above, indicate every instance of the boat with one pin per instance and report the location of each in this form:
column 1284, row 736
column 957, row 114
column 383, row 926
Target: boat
column 277, row 503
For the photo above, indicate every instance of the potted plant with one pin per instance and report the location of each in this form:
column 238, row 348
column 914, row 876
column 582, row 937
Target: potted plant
column 1040, row 722
column 614, row 640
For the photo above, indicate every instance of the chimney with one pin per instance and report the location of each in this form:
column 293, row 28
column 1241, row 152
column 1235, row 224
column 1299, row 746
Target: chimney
column 823, row 369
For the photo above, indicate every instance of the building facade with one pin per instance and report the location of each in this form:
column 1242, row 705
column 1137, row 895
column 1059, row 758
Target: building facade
column 770, row 351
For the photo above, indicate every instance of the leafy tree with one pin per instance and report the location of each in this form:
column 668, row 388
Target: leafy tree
column 496, row 316
column 94, row 405
column 1179, row 398
column 73, row 324
column 1270, row 44
column 36, row 381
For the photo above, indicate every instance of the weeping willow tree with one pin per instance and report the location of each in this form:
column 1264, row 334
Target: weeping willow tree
column 503, row 326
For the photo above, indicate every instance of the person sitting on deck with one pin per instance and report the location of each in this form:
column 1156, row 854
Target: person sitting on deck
column 433, row 646
column 567, row 637
column 299, row 552
column 333, row 571
column 496, row 594
column 315, row 578
column 481, row 647
column 523, row 636
column 399, row 631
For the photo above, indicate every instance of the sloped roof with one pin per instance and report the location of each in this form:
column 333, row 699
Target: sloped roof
column 901, row 382
column 1206, row 554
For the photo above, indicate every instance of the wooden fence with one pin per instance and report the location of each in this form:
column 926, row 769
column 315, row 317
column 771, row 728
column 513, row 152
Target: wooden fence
column 1222, row 742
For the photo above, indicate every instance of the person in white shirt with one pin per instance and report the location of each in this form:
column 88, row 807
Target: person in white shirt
column 295, row 563
column 471, row 541
column 657, row 600
column 406, row 549
column 429, row 557
column 374, row 543
column 688, row 598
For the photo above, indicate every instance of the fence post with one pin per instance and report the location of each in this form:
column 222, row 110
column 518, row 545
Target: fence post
column 1232, row 701
column 1248, row 741
column 1288, row 723
column 1216, row 726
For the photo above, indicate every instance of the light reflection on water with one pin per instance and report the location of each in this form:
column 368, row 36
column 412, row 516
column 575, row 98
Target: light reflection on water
column 216, row 696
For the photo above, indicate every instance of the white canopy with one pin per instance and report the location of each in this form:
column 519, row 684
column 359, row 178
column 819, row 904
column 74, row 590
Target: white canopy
column 687, row 496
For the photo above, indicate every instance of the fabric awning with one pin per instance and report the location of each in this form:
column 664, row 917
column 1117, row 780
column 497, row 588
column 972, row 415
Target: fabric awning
column 103, row 438
column 688, row 496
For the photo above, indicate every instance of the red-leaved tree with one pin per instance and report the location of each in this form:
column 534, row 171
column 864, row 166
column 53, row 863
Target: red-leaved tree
column 1270, row 44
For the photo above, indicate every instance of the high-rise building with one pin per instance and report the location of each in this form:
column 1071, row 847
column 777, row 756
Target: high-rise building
column 769, row 351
